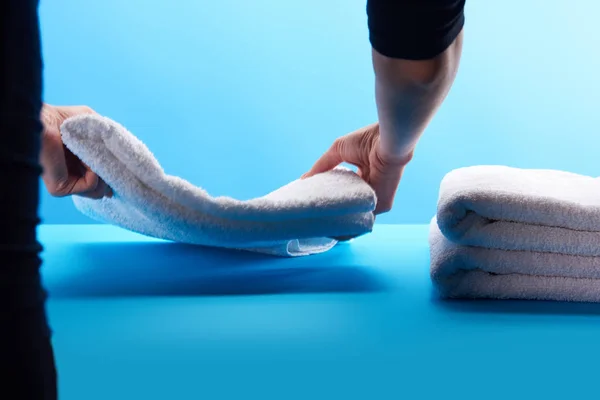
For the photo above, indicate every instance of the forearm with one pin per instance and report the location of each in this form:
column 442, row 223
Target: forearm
column 408, row 93
column 416, row 52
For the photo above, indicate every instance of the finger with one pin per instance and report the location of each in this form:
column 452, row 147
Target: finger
column 328, row 161
column 350, row 149
column 55, row 172
column 385, row 187
column 101, row 191
column 385, row 184
column 87, row 183
column 363, row 172
column 71, row 111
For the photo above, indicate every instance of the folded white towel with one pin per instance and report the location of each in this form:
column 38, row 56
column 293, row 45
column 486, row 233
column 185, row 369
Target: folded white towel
column 503, row 232
column 474, row 272
column 521, row 209
column 297, row 219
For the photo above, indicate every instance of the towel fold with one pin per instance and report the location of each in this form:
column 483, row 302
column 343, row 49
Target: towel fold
column 474, row 272
column 521, row 209
column 510, row 233
column 295, row 220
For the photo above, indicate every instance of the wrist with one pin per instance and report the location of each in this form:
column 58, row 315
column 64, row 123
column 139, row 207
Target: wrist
column 394, row 154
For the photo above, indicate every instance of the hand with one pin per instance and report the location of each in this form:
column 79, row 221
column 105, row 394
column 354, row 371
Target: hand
column 63, row 173
column 362, row 149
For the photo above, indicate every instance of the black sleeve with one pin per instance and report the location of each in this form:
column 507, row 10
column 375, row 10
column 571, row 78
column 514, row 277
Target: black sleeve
column 27, row 369
column 414, row 29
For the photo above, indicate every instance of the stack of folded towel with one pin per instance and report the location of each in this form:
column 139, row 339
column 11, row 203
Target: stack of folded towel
column 298, row 219
column 509, row 233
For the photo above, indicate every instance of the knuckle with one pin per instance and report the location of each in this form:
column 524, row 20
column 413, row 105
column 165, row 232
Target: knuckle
column 91, row 182
column 91, row 187
column 54, row 191
column 60, row 188
column 338, row 143
column 338, row 148
column 81, row 109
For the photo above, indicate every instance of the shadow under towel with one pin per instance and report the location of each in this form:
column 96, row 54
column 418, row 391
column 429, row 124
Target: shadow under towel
column 295, row 220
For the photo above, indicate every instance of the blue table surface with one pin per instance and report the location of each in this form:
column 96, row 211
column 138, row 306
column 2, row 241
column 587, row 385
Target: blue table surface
column 139, row 318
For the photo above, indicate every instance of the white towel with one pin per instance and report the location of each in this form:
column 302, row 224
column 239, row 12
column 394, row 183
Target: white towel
column 521, row 209
column 298, row 219
column 510, row 233
column 475, row 272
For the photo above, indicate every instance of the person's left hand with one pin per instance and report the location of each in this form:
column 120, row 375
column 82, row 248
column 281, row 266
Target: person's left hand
column 63, row 173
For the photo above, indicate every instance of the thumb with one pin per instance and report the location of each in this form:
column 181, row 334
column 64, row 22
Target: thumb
column 385, row 179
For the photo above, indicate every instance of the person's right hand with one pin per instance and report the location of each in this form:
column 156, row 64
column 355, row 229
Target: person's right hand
column 63, row 173
column 362, row 148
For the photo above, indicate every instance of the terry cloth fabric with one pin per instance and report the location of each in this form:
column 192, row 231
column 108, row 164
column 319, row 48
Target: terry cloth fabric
column 503, row 232
column 298, row 219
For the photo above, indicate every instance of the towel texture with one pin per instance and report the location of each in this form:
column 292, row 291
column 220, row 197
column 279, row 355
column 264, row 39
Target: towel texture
column 521, row 209
column 475, row 272
column 510, row 233
column 294, row 220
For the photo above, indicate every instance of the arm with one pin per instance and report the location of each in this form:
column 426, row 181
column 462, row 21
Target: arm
column 416, row 53
column 408, row 93
column 416, row 46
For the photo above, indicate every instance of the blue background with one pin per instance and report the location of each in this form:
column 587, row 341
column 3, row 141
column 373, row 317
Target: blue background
column 242, row 96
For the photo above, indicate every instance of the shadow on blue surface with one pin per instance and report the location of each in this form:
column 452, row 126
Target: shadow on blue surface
column 527, row 307
column 171, row 269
